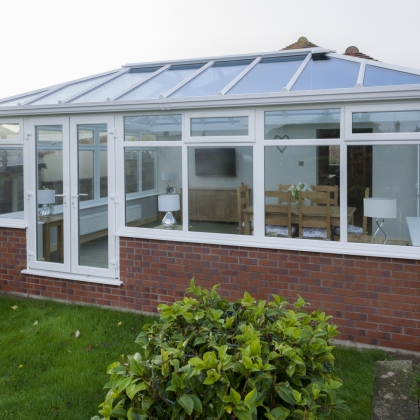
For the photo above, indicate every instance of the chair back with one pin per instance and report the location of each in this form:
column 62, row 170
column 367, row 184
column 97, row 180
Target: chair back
column 364, row 225
column 332, row 190
column 315, row 216
column 279, row 214
column 242, row 194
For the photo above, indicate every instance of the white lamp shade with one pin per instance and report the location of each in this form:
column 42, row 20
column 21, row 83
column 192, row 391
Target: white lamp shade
column 168, row 202
column 46, row 196
column 381, row 208
column 167, row 176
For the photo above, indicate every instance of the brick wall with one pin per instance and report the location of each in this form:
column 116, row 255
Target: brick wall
column 374, row 301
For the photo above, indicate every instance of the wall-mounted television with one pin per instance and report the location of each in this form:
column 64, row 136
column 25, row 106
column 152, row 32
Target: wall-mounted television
column 215, row 162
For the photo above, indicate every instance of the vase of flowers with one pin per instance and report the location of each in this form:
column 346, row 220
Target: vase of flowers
column 294, row 190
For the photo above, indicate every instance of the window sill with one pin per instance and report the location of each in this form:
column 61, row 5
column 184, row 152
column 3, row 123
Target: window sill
column 75, row 277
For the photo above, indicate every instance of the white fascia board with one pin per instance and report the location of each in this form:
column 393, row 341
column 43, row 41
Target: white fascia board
column 100, row 83
column 302, row 51
column 395, row 93
column 298, row 72
column 125, row 91
column 187, row 79
column 240, row 76
column 50, row 89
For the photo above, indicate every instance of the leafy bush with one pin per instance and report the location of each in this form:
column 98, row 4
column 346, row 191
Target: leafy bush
column 208, row 358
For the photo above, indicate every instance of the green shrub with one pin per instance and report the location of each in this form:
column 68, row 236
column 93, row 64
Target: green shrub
column 207, row 358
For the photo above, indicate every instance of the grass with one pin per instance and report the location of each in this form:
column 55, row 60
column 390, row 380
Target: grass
column 48, row 373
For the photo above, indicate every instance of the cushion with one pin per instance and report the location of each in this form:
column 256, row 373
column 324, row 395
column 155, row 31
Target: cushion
column 314, row 233
column 355, row 230
column 273, row 230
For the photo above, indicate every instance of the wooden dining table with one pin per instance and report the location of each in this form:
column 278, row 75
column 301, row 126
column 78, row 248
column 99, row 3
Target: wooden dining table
column 334, row 216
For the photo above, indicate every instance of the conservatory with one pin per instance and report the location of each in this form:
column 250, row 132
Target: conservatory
column 300, row 150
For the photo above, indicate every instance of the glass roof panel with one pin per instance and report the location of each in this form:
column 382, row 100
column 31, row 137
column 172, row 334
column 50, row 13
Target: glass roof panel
column 21, row 99
column 69, row 90
column 378, row 76
column 213, row 79
column 269, row 75
column 161, row 83
column 327, row 73
column 115, row 86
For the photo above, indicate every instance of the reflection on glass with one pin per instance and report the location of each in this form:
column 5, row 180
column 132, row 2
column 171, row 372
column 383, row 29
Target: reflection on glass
column 377, row 76
column 327, row 73
column 50, row 229
column 219, row 126
column 11, row 183
column 373, row 172
column 149, row 173
column 214, row 174
column 92, row 186
column 161, row 83
column 302, row 124
column 269, row 75
column 212, row 80
column 153, row 128
column 69, row 90
column 386, row 122
column 115, row 86
column 9, row 131
column 305, row 169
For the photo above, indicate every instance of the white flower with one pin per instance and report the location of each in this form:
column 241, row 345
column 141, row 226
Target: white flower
column 294, row 189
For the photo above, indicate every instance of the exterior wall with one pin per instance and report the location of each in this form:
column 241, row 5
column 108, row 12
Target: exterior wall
column 373, row 301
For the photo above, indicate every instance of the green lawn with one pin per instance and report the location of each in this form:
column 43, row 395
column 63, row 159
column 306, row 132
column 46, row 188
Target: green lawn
column 48, row 373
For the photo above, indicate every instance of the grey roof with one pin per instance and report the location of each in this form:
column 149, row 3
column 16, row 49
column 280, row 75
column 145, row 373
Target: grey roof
column 291, row 71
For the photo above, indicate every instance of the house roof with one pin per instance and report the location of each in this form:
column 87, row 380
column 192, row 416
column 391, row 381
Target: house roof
column 299, row 69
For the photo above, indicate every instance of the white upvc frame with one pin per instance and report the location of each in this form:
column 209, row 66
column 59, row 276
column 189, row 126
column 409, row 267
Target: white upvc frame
column 198, row 140
column 388, row 107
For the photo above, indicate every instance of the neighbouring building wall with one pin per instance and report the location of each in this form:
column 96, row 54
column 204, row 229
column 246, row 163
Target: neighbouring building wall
column 373, row 300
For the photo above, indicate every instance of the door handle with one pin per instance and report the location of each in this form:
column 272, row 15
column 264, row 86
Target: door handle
column 79, row 195
column 60, row 195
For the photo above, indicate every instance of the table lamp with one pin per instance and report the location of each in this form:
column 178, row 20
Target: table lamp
column 168, row 203
column 380, row 208
column 47, row 199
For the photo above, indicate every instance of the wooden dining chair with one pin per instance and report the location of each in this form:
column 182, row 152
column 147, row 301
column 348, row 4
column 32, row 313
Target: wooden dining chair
column 278, row 217
column 242, row 193
column 314, row 218
column 332, row 190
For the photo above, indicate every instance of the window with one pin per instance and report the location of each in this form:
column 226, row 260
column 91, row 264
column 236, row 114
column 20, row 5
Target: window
column 386, row 122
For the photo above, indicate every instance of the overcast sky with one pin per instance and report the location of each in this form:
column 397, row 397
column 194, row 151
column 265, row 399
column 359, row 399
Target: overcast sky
column 45, row 42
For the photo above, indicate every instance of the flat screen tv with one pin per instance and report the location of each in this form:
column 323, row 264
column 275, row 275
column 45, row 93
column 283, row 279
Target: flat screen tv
column 215, row 162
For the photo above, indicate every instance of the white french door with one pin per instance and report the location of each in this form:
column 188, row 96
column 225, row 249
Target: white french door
column 72, row 193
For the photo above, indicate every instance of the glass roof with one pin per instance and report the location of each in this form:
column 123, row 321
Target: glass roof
column 269, row 75
column 308, row 70
column 378, row 76
column 329, row 73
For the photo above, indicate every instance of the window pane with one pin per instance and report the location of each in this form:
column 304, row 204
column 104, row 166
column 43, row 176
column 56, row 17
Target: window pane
column 51, row 133
column 11, row 183
column 383, row 186
column 115, row 86
column 377, row 76
column 386, row 122
column 86, row 177
column 219, row 126
column 103, row 168
column 150, row 173
column 302, row 124
column 21, row 99
column 213, row 177
column 68, row 91
column 153, row 128
column 269, row 75
column 9, row 131
column 309, row 169
column 161, row 83
column 213, row 79
column 330, row 73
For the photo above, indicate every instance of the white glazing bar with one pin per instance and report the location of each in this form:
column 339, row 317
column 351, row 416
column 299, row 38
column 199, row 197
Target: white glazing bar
column 361, row 74
column 32, row 98
column 298, row 72
column 161, row 70
column 187, row 79
column 239, row 76
column 102, row 82
column 64, row 85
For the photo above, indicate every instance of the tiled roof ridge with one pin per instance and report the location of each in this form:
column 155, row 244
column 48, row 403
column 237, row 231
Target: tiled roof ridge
column 301, row 43
column 354, row 52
